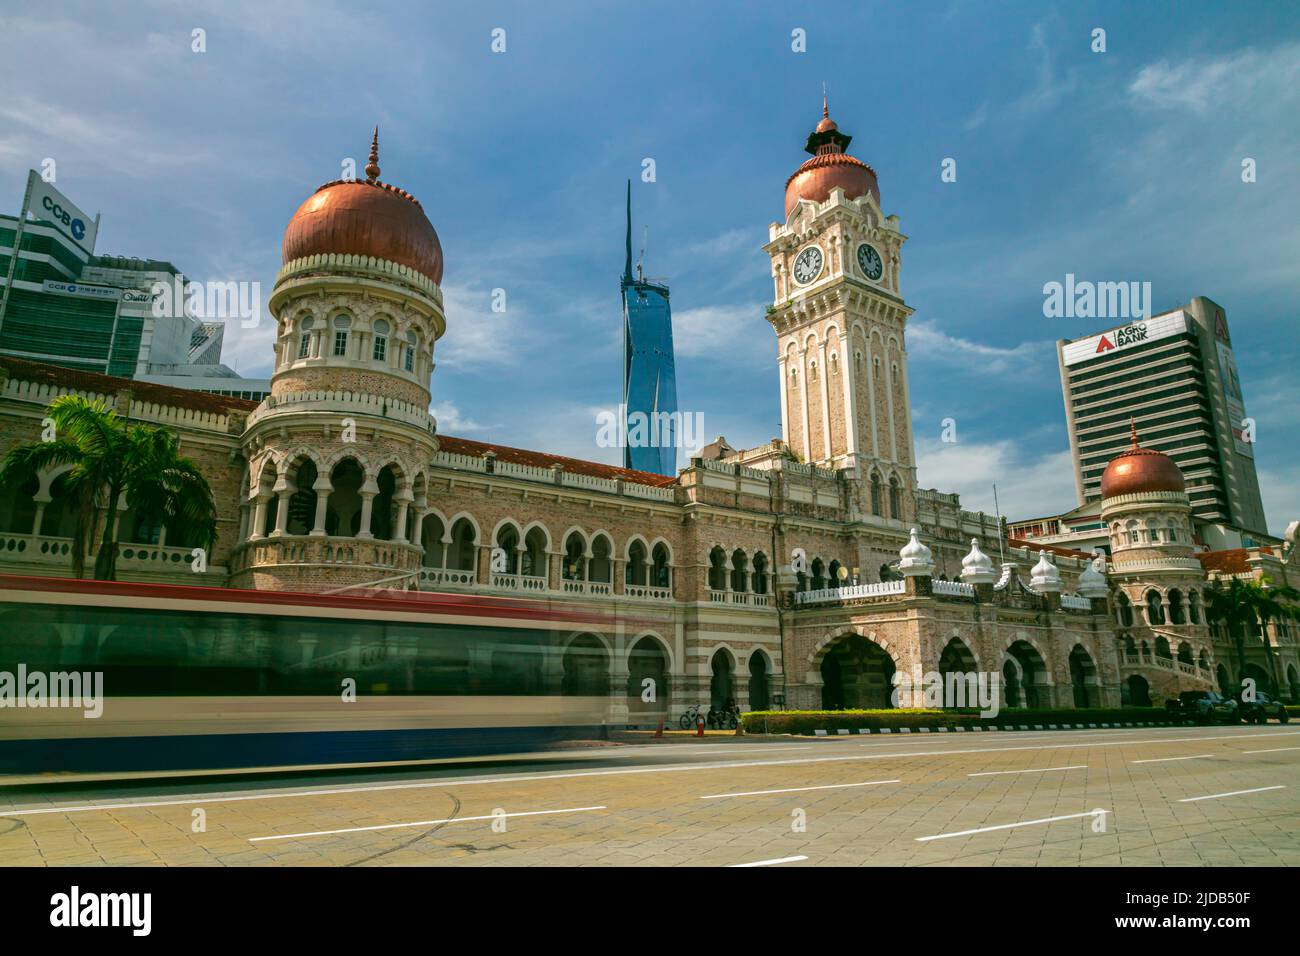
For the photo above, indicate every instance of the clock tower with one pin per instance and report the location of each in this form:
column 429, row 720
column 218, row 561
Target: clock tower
column 839, row 318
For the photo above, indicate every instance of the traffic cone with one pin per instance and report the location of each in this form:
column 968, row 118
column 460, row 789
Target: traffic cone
column 699, row 728
column 660, row 731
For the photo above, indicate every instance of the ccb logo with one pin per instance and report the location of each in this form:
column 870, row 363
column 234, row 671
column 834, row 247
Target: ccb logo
column 75, row 226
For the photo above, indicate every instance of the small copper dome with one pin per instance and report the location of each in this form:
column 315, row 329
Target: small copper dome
column 829, row 167
column 366, row 218
column 1137, row 470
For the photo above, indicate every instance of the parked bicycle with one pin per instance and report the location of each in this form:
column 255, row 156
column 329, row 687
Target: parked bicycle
column 691, row 719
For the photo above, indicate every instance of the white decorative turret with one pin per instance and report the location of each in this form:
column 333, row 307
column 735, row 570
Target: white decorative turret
column 977, row 567
column 1045, row 578
column 917, row 559
column 1092, row 580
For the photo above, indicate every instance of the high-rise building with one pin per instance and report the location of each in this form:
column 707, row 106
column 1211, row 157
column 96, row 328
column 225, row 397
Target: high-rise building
column 1175, row 378
column 652, row 425
column 68, row 306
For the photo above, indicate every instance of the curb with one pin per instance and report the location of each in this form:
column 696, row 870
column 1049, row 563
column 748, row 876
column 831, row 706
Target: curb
column 843, row 732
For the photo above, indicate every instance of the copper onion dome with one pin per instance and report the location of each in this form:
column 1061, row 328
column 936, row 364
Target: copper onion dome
column 829, row 167
column 366, row 218
column 1138, row 470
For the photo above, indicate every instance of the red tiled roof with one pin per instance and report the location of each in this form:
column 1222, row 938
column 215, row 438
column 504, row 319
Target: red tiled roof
column 1231, row 561
column 538, row 459
column 1033, row 546
column 169, row 395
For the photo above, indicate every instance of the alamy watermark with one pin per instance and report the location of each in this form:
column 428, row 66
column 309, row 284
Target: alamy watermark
column 208, row 300
column 1085, row 299
column 934, row 690
column 619, row 429
column 38, row 689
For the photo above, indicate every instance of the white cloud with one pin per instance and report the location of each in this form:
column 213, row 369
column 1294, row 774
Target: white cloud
column 926, row 340
column 737, row 332
column 1029, row 486
column 452, row 421
column 1217, row 84
column 476, row 336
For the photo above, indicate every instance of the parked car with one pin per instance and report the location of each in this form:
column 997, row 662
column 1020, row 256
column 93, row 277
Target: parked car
column 1259, row 710
column 1203, row 707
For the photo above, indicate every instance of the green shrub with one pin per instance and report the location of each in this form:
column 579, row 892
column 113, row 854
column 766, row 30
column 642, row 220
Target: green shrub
column 832, row 721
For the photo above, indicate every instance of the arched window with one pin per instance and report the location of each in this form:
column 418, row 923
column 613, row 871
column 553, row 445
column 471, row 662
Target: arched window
column 575, row 558
column 1194, row 607
column 1125, row 610
column 818, row 574
column 534, row 563
column 380, row 351
column 739, row 571
column 635, row 572
column 341, row 325
column 717, row 569
column 462, row 553
column 833, row 575
column 895, row 502
column 304, row 336
column 661, row 573
column 1176, row 607
column 1155, row 609
column 875, row 494
column 411, row 342
column 602, row 567
column 759, row 577
column 508, row 541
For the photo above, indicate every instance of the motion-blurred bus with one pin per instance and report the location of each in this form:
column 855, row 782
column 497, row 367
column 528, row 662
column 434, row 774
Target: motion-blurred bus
column 199, row 677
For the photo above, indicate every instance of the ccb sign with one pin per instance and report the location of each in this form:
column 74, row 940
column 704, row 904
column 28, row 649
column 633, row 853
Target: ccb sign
column 70, row 222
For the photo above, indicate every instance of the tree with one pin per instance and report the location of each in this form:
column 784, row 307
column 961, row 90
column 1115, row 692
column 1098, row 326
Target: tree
column 111, row 458
column 1245, row 604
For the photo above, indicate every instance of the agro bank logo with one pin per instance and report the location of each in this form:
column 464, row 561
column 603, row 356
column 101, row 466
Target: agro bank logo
column 1096, row 300
column 1128, row 335
column 208, row 300
column 37, row 689
column 933, row 690
column 649, row 429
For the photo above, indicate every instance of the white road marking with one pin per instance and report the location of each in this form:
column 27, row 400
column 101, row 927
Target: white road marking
column 784, row 859
column 419, row 823
column 1231, row 793
column 1167, row 759
column 677, row 768
column 994, row 773
column 1010, row 826
column 1275, row 750
column 829, row 786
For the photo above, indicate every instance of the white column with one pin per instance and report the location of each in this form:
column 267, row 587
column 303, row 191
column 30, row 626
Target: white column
column 871, row 399
column 322, row 487
column 807, row 388
column 850, row 405
column 785, row 415
column 826, row 399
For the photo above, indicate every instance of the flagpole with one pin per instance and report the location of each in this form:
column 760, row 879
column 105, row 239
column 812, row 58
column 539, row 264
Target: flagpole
column 18, row 247
column 1002, row 558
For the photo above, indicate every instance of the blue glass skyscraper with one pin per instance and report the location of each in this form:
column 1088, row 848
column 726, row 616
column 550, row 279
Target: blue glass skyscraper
column 652, row 425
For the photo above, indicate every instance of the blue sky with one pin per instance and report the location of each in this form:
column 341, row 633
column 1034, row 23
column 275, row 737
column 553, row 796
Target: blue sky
column 1123, row 165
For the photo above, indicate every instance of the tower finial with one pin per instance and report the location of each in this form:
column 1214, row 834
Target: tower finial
column 372, row 167
column 826, row 113
column 1133, row 431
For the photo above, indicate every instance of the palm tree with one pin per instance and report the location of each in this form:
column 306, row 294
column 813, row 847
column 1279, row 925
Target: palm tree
column 1245, row 604
column 111, row 459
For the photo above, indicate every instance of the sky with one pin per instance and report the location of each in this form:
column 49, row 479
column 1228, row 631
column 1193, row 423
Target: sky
column 1122, row 165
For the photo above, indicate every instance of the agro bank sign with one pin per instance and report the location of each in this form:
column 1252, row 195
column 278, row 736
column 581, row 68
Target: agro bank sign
column 1124, row 337
column 48, row 204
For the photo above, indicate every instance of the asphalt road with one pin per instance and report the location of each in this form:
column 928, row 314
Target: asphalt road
column 1213, row 796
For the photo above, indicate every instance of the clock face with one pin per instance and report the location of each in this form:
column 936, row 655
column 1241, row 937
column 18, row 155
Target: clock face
column 808, row 265
column 869, row 262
